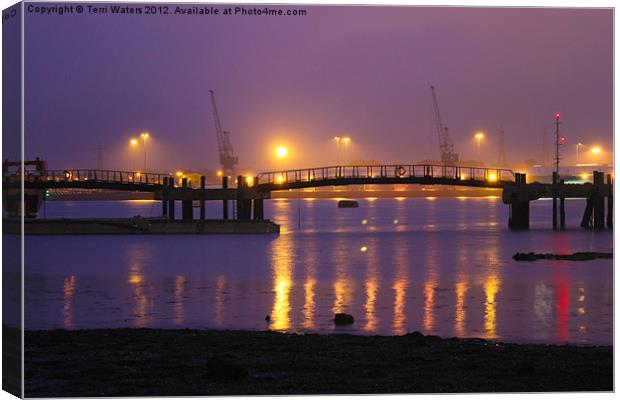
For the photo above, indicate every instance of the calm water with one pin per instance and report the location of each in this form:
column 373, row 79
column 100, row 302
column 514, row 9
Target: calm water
column 439, row 266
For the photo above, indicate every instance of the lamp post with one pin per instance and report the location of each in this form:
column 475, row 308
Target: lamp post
column 144, row 136
column 596, row 151
column 478, row 136
column 337, row 140
column 577, row 146
column 346, row 141
column 134, row 143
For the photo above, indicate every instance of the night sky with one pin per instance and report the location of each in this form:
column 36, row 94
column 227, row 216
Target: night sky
column 299, row 81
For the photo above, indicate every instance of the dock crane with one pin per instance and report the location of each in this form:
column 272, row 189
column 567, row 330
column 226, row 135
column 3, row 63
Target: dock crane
column 228, row 160
column 448, row 156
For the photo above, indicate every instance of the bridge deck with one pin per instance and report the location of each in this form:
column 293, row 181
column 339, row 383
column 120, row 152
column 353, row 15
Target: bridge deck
column 384, row 174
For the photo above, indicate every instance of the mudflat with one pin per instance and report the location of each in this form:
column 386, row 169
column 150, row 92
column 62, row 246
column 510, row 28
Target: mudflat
column 154, row 362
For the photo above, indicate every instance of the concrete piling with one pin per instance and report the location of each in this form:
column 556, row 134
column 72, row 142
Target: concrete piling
column 164, row 199
column 225, row 202
column 599, row 201
column 187, row 209
column 519, row 208
column 170, row 201
column 259, row 213
column 244, row 202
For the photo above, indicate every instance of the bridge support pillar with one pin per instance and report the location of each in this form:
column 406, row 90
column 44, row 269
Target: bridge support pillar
column 164, row 199
column 599, row 201
column 594, row 214
column 171, row 201
column 259, row 213
column 187, row 209
column 202, row 200
column 519, row 209
column 225, row 202
column 244, row 204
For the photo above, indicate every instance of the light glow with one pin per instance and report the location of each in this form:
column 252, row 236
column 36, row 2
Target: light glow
column 281, row 152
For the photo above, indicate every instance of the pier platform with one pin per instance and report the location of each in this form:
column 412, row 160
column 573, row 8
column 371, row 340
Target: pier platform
column 137, row 225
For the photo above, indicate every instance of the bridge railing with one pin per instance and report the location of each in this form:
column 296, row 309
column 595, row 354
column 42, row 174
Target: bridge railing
column 71, row 175
column 400, row 171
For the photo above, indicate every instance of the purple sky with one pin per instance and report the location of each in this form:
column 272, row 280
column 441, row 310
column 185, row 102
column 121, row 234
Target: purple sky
column 358, row 71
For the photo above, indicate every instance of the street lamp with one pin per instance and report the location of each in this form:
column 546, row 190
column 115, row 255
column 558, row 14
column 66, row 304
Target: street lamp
column 337, row 139
column 133, row 142
column 595, row 151
column 577, row 146
column 478, row 136
column 346, row 141
column 144, row 136
column 281, row 152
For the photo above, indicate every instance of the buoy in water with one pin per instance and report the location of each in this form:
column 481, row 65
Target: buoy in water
column 347, row 204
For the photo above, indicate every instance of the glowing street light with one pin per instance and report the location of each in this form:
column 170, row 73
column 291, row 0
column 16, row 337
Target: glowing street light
column 220, row 173
column 478, row 136
column 577, row 146
column 281, row 152
column 346, row 141
column 144, row 136
column 337, row 140
column 596, row 151
column 134, row 143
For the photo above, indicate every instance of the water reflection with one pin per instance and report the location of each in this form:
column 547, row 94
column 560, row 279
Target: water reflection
column 458, row 279
column 220, row 292
column 141, row 309
column 491, row 287
column 179, row 288
column 400, row 286
column 460, row 313
column 282, row 264
column 372, row 287
column 310, row 258
column 582, row 309
column 343, row 290
column 562, row 309
column 432, row 280
column 543, row 309
column 69, row 286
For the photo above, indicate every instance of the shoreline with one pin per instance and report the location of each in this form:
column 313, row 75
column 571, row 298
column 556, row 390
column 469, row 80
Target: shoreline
column 167, row 362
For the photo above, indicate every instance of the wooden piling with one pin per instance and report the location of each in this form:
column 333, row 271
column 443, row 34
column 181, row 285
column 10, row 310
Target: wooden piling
column 225, row 202
column 202, row 201
column 186, row 205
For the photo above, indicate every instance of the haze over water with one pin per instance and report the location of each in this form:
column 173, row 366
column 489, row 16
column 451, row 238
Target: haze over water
column 438, row 266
